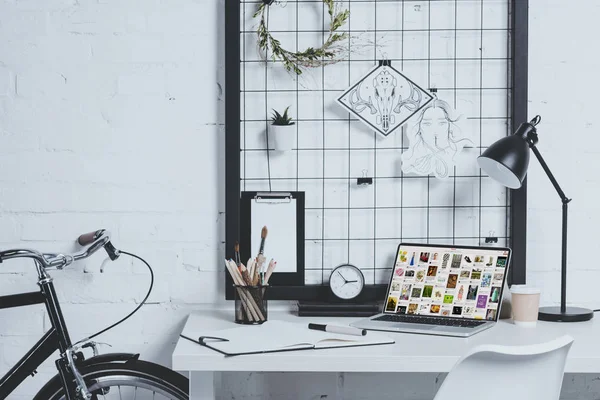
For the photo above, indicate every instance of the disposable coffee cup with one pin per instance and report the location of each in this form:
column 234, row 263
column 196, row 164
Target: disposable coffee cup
column 525, row 305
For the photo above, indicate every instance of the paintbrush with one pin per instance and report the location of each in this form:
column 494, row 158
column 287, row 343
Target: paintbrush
column 236, row 254
column 260, row 258
column 263, row 237
column 260, row 261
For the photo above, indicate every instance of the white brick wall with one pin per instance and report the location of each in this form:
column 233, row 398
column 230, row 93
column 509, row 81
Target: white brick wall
column 561, row 87
column 110, row 116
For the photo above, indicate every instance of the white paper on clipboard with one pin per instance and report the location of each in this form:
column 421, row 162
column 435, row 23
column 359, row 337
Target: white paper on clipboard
column 279, row 216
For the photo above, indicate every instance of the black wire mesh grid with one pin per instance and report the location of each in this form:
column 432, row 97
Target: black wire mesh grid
column 459, row 49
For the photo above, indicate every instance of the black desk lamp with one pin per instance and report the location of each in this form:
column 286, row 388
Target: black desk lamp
column 506, row 162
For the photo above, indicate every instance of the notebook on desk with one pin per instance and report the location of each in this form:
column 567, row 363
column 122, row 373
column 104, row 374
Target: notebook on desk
column 278, row 336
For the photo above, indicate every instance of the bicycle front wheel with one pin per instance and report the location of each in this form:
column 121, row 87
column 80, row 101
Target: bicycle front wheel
column 140, row 380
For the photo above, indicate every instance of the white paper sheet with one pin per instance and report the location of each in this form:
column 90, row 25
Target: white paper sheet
column 435, row 141
column 279, row 216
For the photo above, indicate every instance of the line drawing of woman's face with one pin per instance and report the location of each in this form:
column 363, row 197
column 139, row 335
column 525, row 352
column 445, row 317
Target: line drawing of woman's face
column 435, row 128
column 434, row 141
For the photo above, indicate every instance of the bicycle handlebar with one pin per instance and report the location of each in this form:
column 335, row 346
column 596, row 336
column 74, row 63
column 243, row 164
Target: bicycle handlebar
column 94, row 240
column 88, row 238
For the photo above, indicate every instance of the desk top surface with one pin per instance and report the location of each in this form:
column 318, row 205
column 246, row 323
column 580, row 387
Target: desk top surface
column 410, row 353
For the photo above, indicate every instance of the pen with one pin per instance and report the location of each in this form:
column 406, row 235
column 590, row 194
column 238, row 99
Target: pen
column 344, row 330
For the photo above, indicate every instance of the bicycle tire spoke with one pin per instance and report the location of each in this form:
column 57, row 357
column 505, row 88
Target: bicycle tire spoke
column 131, row 386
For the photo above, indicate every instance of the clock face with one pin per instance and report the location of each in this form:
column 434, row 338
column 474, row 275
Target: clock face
column 346, row 282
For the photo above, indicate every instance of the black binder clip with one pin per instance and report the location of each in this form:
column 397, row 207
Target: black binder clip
column 268, row 2
column 385, row 63
column 491, row 238
column 364, row 180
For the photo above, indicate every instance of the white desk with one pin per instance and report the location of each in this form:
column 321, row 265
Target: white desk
column 424, row 354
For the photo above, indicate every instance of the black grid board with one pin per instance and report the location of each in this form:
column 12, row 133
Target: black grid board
column 460, row 48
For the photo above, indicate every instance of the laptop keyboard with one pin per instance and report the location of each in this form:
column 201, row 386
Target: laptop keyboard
column 415, row 319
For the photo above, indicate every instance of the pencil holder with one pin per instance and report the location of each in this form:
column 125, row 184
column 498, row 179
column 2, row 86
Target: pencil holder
column 250, row 304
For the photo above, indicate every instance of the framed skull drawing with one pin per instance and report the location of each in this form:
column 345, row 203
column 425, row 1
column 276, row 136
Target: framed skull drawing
column 384, row 99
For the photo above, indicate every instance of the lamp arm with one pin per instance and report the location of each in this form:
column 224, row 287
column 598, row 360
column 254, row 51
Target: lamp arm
column 565, row 211
column 538, row 155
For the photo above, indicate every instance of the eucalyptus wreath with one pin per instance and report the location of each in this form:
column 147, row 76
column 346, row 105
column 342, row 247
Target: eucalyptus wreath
column 330, row 52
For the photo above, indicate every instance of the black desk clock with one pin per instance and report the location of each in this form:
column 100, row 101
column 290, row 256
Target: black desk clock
column 347, row 296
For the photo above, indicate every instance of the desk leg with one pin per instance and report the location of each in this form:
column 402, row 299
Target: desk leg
column 202, row 385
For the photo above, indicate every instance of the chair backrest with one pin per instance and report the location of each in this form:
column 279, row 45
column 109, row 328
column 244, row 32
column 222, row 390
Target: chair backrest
column 491, row 372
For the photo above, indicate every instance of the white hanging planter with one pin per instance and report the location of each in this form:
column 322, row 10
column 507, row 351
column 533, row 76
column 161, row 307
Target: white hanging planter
column 282, row 137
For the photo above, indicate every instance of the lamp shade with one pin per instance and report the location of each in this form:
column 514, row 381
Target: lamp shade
column 506, row 161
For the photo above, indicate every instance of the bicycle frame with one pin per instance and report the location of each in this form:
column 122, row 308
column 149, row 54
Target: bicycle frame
column 57, row 338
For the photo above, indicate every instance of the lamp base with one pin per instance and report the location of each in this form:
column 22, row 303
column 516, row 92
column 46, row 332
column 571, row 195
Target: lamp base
column 572, row 314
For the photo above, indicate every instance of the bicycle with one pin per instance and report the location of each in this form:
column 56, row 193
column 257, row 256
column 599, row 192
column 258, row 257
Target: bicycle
column 95, row 378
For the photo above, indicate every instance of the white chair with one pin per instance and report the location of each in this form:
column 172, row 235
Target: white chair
column 492, row 372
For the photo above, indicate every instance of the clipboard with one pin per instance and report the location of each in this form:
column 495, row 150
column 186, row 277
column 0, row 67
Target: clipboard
column 283, row 215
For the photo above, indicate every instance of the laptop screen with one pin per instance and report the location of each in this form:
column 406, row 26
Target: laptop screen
column 445, row 281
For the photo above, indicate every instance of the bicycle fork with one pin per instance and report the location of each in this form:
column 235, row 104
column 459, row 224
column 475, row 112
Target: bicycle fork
column 81, row 390
column 71, row 378
column 66, row 365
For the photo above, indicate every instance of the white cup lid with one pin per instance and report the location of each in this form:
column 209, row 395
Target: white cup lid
column 524, row 289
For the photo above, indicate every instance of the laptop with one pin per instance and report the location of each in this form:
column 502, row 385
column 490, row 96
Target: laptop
column 443, row 290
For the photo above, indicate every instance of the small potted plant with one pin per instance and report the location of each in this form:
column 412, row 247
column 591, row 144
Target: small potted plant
column 281, row 132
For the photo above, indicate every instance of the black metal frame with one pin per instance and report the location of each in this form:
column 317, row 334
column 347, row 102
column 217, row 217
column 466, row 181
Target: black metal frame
column 518, row 105
column 518, row 198
column 57, row 338
column 232, row 132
